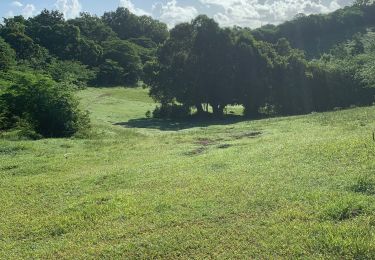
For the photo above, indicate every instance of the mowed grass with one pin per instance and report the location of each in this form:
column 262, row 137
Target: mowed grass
column 295, row 187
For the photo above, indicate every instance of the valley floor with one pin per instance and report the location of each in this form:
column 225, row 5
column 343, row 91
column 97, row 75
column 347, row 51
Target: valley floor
column 296, row 187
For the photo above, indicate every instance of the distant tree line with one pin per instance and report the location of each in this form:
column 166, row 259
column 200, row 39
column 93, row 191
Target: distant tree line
column 114, row 46
column 317, row 34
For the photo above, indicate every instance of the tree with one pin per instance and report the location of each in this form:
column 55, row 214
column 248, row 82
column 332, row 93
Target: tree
column 128, row 25
column 125, row 55
column 110, row 73
column 7, row 56
column 93, row 28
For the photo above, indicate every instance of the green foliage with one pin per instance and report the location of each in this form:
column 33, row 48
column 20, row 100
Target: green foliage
column 93, row 28
column 128, row 25
column 44, row 106
column 171, row 111
column 317, row 34
column 71, row 73
column 7, row 56
column 125, row 56
column 110, row 73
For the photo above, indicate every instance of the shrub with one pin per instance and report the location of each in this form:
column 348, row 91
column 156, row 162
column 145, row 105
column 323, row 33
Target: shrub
column 171, row 111
column 48, row 109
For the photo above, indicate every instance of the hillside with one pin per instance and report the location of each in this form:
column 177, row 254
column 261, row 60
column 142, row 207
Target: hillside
column 296, row 187
column 318, row 34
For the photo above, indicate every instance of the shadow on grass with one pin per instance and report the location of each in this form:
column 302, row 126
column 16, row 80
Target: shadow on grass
column 176, row 125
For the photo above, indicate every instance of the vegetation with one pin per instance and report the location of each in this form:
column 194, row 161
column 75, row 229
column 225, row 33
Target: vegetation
column 296, row 187
column 199, row 179
column 202, row 64
column 38, row 103
column 317, row 34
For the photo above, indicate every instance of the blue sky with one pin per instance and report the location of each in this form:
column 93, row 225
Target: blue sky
column 249, row 13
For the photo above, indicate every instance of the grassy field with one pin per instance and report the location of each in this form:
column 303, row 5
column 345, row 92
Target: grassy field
column 296, row 187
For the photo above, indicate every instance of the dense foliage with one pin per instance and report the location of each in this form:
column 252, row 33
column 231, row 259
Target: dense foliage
column 115, row 45
column 317, row 34
column 199, row 66
column 202, row 64
column 41, row 105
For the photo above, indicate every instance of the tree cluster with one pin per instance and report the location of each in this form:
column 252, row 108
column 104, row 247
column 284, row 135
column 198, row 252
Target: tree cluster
column 114, row 46
column 204, row 66
column 317, row 34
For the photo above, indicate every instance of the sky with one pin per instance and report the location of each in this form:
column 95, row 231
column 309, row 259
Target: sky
column 245, row 13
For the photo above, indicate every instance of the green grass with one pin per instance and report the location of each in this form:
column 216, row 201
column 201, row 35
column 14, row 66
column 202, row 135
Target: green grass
column 296, row 187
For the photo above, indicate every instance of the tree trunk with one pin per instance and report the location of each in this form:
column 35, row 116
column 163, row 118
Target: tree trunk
column 218, row 110
column 252, row 111
column 199, row 108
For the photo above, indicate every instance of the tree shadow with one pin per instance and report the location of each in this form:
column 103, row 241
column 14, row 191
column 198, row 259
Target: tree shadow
column 177, row 125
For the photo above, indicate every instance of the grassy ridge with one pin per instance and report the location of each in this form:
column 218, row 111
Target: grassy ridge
column 277, row 188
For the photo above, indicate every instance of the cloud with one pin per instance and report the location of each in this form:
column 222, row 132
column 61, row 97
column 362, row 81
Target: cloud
column 70, row 8
column 28, row 10
column 172, row 13
column 16, row 4
column 128, row 4
column 254, row 13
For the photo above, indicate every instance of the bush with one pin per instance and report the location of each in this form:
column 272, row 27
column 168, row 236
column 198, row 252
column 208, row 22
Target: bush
column 40, row 103
column 171, row 111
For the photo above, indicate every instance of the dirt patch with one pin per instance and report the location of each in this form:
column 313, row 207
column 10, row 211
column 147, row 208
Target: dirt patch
column 248, row 135
column 205, row 142
column 104, row 95
column 197, row 151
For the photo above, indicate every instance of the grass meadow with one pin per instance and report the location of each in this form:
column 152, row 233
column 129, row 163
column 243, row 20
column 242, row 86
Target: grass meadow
column 290, row 187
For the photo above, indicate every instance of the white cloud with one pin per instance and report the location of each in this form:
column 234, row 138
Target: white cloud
column 254, row 13
column 70, row 8
column 128, row 4
column 172, row 13
column 16, row 4
column 28, row 10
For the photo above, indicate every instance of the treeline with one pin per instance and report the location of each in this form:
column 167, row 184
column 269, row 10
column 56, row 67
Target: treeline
column 317, row 34
column 45, row 59
column 114, row 47
column 196, row 67
column 202, row 64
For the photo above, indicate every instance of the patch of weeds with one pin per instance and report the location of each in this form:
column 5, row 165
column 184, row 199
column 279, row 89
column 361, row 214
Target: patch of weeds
column 365, row 185
column 57, row 231
column 196, row 151
column 66, row 146
column 224, row 146
column 11, row 150
column 344, row 210
column 161, row 208
column 219, row 166
column 103, row 200
column 9, row 167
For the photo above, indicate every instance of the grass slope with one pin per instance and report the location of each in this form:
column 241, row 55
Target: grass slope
column 297, row 187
